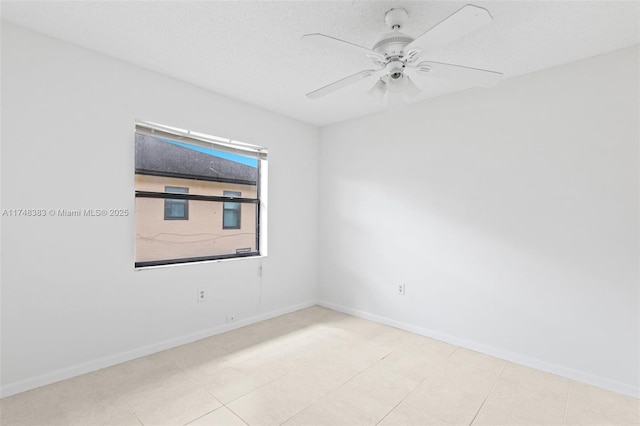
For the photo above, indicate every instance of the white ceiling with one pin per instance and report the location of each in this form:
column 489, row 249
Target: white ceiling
column 252, row 50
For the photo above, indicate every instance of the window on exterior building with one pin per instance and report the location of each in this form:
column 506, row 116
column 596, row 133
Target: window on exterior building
column 198, row 197
column 176, row 209
column 231, row 211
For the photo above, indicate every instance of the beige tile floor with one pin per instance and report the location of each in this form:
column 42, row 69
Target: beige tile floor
column 318, row 367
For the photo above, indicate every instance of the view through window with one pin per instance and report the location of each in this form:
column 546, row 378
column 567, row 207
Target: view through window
column 197, row 197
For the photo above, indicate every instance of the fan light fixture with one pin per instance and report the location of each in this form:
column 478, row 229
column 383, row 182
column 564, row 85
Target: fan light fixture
column 399, row 86
column 378, row 90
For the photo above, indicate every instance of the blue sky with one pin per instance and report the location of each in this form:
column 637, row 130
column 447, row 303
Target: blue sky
column 253, row 162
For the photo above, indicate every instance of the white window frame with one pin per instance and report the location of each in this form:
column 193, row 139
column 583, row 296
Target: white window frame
column 221, row 144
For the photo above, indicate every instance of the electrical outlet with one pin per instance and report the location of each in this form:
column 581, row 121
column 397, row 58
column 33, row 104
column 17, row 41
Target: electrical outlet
column 202, row 295
column 231, row 318
column 401, row 289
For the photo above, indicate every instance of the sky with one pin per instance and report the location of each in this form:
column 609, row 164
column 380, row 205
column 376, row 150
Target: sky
column 249, row 161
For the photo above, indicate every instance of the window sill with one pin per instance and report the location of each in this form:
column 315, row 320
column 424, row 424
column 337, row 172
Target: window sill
column 174, row 265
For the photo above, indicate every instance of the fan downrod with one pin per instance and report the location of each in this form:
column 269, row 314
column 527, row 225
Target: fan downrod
column 396, row 18
column 391, row 45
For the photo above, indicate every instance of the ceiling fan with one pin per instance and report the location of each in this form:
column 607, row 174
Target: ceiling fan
column 397, row 56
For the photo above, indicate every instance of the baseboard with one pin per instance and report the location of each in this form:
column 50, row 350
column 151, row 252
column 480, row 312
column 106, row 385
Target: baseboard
column 516, row 358
column 108, row 361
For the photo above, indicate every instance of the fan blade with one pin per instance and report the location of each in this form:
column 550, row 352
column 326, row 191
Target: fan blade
column 336, row 43
column 469, row 76
column 343, row 83
column 462, row 22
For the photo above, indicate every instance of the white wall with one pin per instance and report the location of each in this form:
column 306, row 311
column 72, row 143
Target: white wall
column 71, row 300
column 511, row 214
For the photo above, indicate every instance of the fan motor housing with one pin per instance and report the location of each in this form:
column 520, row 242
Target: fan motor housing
column 392, row 44
column 395, row 69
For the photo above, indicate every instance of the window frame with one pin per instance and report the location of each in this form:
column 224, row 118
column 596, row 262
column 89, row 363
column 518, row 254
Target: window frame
column 168, row 201
column 238, row 210
column 219, row 144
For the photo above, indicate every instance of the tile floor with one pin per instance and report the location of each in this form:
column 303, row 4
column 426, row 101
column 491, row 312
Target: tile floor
column 318, row 367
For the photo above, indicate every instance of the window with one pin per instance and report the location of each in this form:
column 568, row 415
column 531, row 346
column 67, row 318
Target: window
column 198, row 197
column 231, row 212
column 176, row 209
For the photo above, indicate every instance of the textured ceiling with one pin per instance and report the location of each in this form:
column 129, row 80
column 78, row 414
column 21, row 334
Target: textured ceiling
column 252, row 50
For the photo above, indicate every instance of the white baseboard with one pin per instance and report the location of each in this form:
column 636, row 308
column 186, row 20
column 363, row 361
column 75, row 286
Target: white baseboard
column 516, row 358
column 108, row 361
